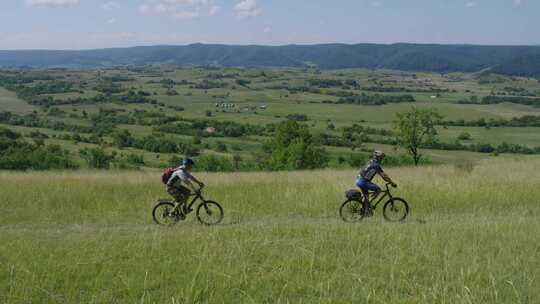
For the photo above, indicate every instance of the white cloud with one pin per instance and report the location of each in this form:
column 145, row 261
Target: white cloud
column 111, row 21
column 247, row 8
column 213, row 10
column 517, row 2
column 109, row 6
column 470, row 4
column 156, row 9
column 52, row 3
column 186, row 15
column 179, row 9
column 267, row 29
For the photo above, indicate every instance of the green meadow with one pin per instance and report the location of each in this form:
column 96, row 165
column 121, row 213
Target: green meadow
column 88, row 237
column 257, row 97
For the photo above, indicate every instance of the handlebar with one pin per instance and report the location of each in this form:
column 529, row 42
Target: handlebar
column 390, row 184
column 199, row 191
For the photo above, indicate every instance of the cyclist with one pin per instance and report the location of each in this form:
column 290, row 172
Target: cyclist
column 364, row 179
column 176, row 186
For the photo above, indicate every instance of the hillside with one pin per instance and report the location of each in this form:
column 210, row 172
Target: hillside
column 511, row 60
column 150, row 116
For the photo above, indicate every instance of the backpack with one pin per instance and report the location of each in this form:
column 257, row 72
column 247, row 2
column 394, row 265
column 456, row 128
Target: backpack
column 167, row 174
column 353, row 194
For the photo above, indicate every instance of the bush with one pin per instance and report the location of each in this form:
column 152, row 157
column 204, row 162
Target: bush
column 464, row 136
column 19, row 155
column 97, row 157
column 293, row 148
column 297, row 117
column 220, row 147
column 213, row 163
column 485, row 148
column 376, row 99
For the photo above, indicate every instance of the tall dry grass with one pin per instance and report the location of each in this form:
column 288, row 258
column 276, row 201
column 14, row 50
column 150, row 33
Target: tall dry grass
column 87, row 237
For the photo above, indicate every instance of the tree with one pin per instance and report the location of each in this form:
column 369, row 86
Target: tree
column 293, row 148
column 236, row 161
column 416, row 128
column 97, row 157
column 123, row 139
column 464, row 136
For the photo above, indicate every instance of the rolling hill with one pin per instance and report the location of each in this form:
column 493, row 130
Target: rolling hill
column 510, row 60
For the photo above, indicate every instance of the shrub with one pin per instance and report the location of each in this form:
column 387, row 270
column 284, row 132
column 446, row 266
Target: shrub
column 293, row 148
column 464, row 136
column 213, row 163
column 297, row 117
column 97, row 157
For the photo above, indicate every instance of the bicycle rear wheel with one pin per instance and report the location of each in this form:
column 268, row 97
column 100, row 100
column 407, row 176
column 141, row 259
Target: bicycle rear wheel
column 209, row 213
column 396, row 210
column 351, row 211
column 163, row 214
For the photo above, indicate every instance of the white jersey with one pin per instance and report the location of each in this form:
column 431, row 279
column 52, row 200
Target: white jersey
column 180, row 176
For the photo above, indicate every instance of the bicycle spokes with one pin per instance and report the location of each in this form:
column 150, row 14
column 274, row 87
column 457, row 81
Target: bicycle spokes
column 210, row 213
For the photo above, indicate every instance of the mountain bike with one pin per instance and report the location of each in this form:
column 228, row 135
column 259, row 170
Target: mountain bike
column 395, row 209
column 166, row 212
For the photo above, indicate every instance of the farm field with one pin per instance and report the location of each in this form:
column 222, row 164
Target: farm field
column 133, row 112
column 88, row 237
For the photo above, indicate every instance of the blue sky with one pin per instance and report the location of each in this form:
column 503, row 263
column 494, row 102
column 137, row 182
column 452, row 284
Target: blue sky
column 84, row 24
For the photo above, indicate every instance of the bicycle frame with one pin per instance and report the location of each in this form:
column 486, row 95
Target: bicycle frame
column 197, row 195
column 385, row 193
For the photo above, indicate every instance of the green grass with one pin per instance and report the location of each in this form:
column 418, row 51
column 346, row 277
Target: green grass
column 10, row 102
column 87, row 237
column 529, row 136
column 281, row 103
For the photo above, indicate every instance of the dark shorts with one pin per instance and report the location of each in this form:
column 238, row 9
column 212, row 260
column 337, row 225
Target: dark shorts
column 180, row 194
column 366, row 185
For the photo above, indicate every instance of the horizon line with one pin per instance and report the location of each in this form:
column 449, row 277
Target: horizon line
column 270, row 45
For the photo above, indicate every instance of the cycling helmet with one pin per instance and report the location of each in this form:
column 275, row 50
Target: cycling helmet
column 188, row 162
column 378, row 154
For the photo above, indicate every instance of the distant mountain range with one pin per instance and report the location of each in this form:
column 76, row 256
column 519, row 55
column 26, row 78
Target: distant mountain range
column 510, row 60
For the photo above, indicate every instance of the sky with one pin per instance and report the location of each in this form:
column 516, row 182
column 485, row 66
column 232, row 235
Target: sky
column 88, row 24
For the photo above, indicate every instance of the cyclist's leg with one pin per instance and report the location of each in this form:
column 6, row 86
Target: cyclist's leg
column 376, row 190
column 178, row 199
column 185, row 193
column 176, row 194
column 362, row 184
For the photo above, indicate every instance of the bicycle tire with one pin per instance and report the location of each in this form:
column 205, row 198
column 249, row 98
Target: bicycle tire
column 390, row 206
column 209, row 208
column 351, row 211
column 160, row 217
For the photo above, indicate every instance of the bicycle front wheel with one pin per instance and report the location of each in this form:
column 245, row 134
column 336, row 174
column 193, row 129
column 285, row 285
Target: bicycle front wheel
column 351, row 211
column 209, row 213
column 396, row 210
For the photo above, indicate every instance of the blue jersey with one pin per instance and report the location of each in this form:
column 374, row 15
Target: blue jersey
column 372, row 167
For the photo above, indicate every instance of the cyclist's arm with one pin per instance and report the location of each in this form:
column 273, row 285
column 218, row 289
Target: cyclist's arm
column 187, row 178
column 386, row 178
column 191, row 177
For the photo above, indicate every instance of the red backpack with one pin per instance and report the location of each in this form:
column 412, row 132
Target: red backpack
column 167, row 174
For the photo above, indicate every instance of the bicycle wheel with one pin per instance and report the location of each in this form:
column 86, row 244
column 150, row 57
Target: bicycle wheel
column 395, row 210
column 163, row 215
column 209, row 213
column 351, row 211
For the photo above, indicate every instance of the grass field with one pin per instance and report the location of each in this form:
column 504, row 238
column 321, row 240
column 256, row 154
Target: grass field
column 87, row 237
column 268, row 96
column 10, row 102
